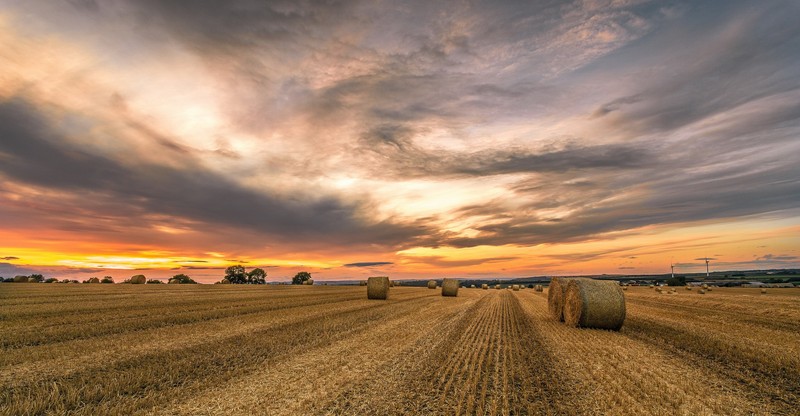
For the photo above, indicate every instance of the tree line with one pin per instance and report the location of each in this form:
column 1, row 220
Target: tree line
column 233, row 275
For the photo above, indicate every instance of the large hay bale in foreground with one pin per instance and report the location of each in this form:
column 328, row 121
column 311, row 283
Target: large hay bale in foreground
column 594, row 304
column 485, row 286
column 450, row 287
column 431, row 284
column 555, row 297
column 139, row 279
column 538, row 288
column 515, row 288
column 377, row 287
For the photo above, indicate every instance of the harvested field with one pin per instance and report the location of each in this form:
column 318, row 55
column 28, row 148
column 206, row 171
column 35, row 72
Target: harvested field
column 230, row 349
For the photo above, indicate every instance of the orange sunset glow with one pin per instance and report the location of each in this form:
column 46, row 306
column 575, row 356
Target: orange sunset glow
column 415, row 140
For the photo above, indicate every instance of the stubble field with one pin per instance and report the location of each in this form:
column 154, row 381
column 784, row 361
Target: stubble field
column 228, row 349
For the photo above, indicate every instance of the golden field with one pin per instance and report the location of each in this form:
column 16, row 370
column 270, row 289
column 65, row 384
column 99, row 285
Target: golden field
column 230, row 349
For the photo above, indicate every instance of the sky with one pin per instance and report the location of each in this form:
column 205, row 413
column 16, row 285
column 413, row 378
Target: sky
column 412, row 139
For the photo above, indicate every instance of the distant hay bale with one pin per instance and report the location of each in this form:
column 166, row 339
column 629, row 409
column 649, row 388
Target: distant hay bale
column 450, row 287
column 377, row 287
column 362, row 283
column 310, row 282
column 485, row 286
column 472, row 286
column 515, row 288
column 94, row 280
column 555, row 297
column 431, row 284
column 594, row 304
column 624, row 287
column 225, row 282
column 538, row 288
column 33, row 280
column 705, row 286
column 139, row 279
column 702, row 291
column 688, row 288
column 391, row 283
column 651, row 286
column 497, row 286
column 763, row 291
column 708, row 289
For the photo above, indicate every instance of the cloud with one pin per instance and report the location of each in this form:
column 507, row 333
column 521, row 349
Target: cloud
column 35, row 152
column 369, row 264
column 442, row 262
column 9, row 258
column 11, row 270
column 778, row 258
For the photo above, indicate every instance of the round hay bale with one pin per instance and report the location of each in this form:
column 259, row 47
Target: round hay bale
column 485, row 286
column 310, row 282
column 705, row 286
column 391, row 283
column 472, row 286
column 708, row 289
column 225, row 281
column 555, row 297
column 377, row 287
column 431, row 284
column 763, row 291
column 594, row 304
column 362, row 283
column 688, row 288
column 139, row 279
column 538, row 288
column 624, row 287
column 450, row 287
column 497, row 286
column 651, row 286
column 702, row 291
column 515, row 288
column 94, row 280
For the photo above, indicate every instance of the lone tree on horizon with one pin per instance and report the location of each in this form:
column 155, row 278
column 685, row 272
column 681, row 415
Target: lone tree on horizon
column 237, row 275
column 301, row 278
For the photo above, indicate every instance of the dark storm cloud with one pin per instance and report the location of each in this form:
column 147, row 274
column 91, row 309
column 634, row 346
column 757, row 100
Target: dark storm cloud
column 7, row 258
column 369, row 264
column 35, row 153
column 717, row 60
column 395, row 143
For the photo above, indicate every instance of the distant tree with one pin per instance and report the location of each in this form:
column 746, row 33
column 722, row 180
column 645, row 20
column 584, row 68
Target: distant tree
column 154, row 282
column 256, row 276
column 51, row 280
column 35, row 278
column 236, row 274
column 301, row 278
column 676, row 281
column 107, row 279
column 181, row 279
